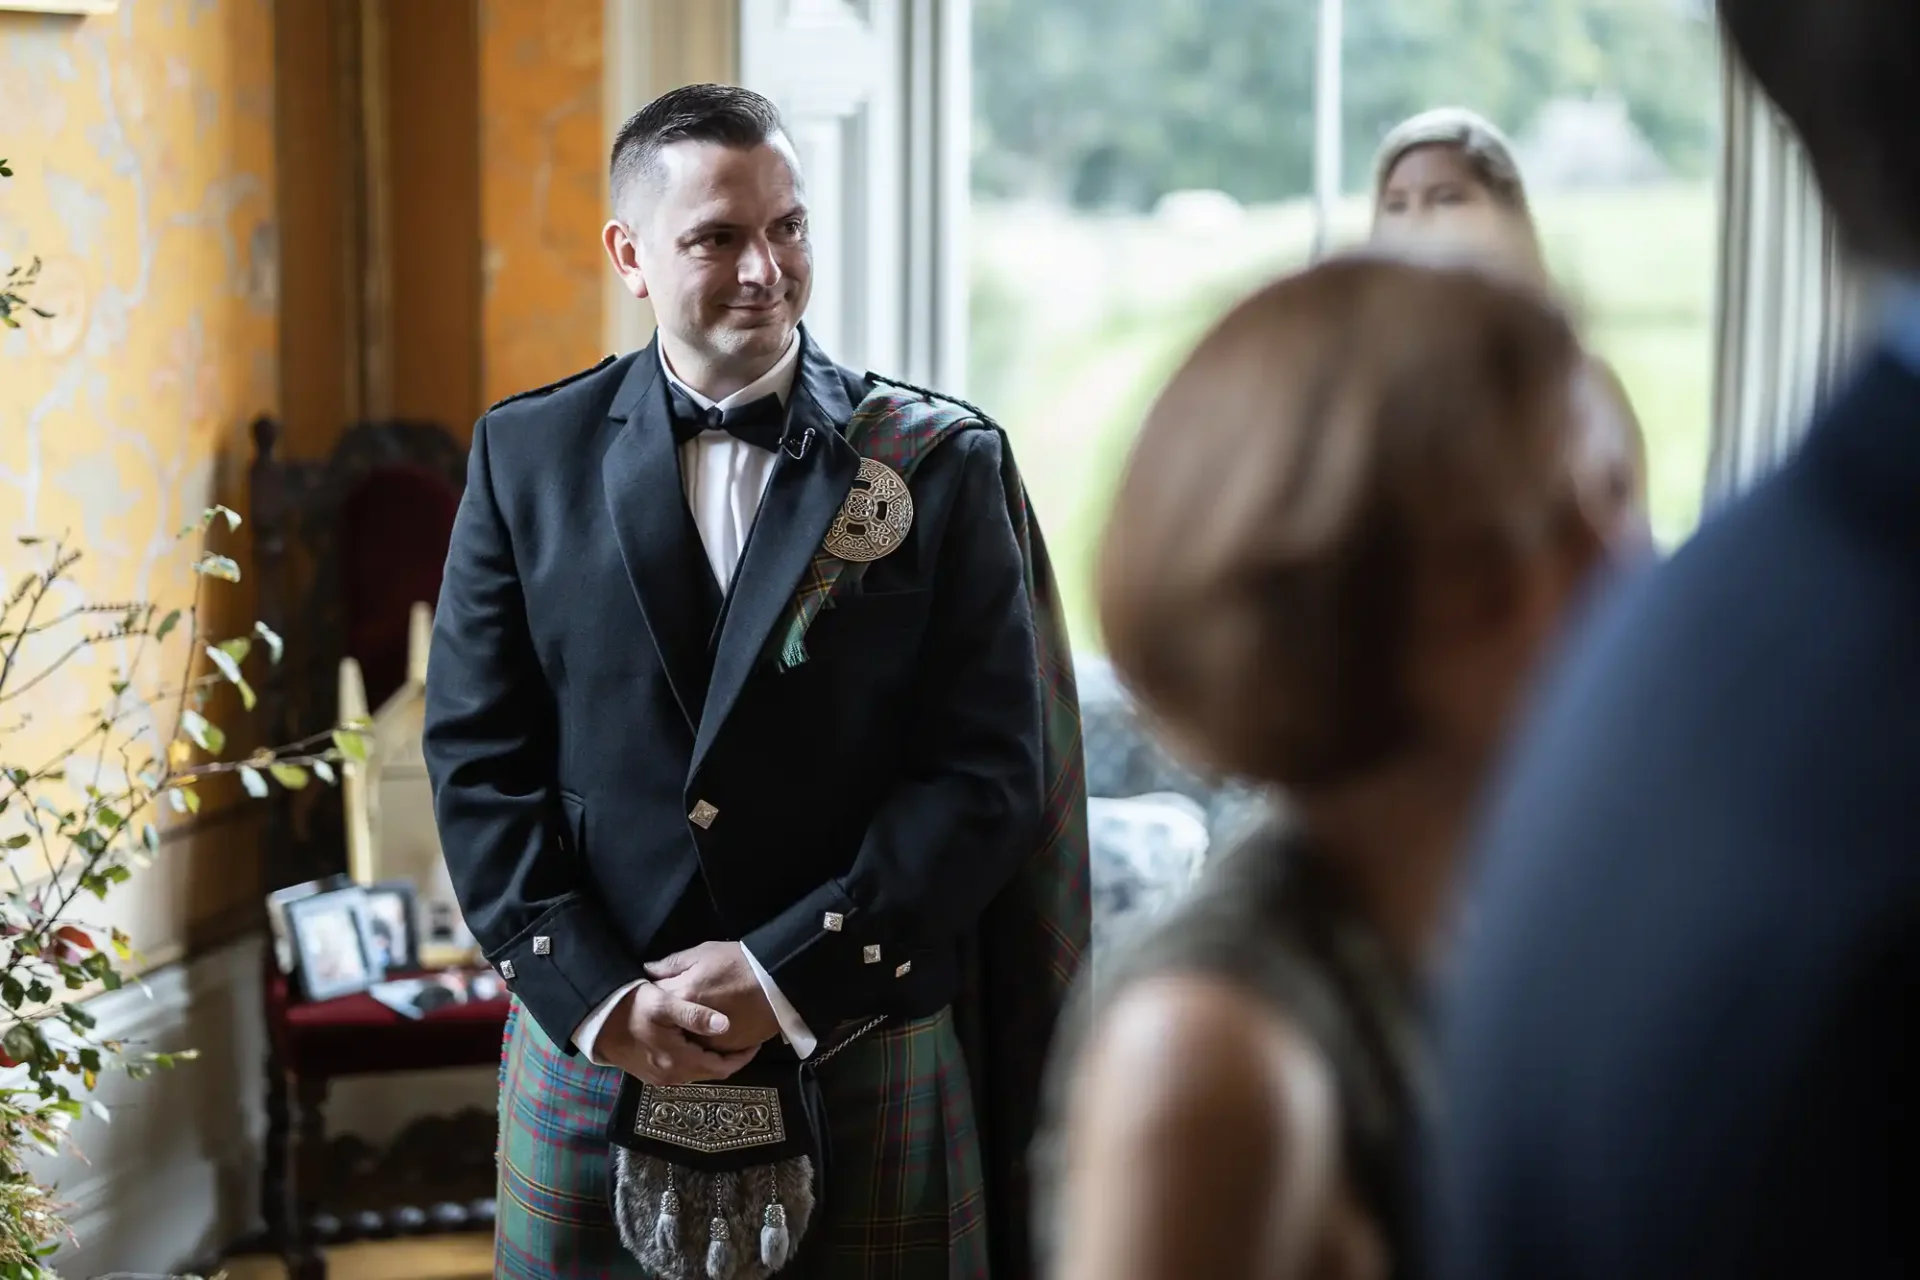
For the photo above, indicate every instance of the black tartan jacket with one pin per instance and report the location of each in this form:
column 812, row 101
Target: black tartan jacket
column 609, row 740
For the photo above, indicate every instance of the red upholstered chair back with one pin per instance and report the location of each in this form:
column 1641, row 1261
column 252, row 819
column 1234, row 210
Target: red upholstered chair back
column 394, row 530
column 343, row 547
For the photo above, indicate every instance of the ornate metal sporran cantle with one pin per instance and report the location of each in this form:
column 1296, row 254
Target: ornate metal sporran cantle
column 720, row 1181
column 710, row 1118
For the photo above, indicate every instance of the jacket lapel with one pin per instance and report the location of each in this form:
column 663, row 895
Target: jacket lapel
column 803, row 496
column 665, row 560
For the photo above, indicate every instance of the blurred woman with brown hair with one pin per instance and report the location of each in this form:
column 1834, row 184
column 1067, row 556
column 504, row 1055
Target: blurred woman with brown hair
column 1447, row 186
column 1350, row 525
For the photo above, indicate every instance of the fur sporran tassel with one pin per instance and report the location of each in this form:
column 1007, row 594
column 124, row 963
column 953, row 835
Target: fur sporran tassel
column 775, row 1244
column 720, row 1251
column 666, row 1228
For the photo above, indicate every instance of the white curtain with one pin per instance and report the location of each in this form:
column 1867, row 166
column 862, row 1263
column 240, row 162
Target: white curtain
column 1791, row 308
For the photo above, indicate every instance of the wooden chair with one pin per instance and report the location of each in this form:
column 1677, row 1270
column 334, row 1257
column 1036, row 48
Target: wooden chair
column 343, row 547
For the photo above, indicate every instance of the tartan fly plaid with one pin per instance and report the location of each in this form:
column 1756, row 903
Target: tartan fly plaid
column 889, row 427
column 1023, row 956
column 907, row 1201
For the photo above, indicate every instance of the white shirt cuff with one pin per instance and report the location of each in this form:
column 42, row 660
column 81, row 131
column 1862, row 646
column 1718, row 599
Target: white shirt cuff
column 589, row 1029
column 792, row 1025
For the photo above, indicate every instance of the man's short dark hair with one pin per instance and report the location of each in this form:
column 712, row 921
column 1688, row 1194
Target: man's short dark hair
column 1847, row 74
column 719, row 113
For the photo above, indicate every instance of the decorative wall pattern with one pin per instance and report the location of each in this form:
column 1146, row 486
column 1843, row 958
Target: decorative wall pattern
column 543, row 162
column 143, row 145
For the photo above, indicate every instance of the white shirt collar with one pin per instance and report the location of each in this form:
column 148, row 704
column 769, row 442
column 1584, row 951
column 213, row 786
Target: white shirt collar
column 775, row 381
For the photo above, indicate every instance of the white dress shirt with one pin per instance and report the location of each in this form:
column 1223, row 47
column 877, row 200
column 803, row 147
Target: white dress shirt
column 725, row 479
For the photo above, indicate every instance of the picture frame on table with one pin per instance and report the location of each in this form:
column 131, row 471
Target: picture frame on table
column 334, row 947
column 283, row 952
column 393, row 922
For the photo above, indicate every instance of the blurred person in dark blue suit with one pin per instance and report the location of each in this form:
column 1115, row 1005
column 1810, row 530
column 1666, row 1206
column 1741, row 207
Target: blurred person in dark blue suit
column 1680, row 1040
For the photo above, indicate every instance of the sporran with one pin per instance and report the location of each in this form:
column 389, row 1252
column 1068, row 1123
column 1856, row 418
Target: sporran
column 720, row 1181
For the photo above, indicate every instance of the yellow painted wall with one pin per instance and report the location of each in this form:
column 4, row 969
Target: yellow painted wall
column 143, row 144
column 542, row 178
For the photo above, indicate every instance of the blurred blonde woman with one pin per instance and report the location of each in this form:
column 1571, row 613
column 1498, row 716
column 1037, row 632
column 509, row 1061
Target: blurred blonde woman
column 1446, row 186
column 1350, row 524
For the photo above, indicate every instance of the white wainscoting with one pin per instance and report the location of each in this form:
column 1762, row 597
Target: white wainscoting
column 174, row 1175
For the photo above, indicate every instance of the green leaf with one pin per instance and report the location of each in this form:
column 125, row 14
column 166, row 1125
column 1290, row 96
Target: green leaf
column 256, row 785
column 237, row 648
column 324, row 772
column 212, row 513
column 290, row 776
column 275, row 645
column 12, row 992
column 167, row 624
column 20, row 841
column 79, row 1018
column 108, row 818
column 39, row 992
column 205, row 734
column 221, row 567
column 248, row 698
column 150, row 837
column 225, row 661
column 117, row 874
column 21, row 1042
column 352, row 744
column 184, row 799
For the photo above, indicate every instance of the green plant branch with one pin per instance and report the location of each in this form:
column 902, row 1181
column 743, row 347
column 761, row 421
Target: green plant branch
column 91, row 834
column 41, row 584
column 78, row 647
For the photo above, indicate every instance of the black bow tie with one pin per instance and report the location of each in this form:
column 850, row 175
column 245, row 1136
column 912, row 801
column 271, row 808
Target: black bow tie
column 762, row 422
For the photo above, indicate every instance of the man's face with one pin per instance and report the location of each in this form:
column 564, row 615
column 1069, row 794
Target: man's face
column 721, row 248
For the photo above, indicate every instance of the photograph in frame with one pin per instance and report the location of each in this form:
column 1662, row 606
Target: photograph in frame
column 391, row 923
column 277, row 914
column 333, row 944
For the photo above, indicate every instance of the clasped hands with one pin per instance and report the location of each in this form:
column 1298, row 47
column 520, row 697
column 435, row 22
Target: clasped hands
column 701, row 1015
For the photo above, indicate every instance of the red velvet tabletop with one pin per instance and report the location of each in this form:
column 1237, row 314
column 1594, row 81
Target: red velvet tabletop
column 357, row 1035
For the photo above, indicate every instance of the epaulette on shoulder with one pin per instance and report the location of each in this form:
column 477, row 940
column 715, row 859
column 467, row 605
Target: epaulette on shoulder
column 927, row 393
column 551, row 386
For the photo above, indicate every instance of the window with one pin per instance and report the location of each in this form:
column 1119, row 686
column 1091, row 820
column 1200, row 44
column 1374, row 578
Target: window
column 1138, row 166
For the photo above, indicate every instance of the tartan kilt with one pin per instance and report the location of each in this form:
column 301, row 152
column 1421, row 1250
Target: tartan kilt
column 907, row 1199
